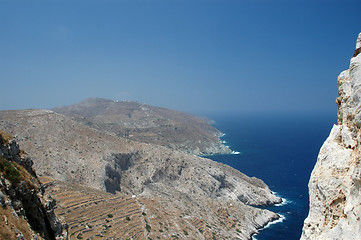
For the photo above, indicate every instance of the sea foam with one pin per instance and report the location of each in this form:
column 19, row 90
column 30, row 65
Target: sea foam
column 284, row 200
column 279, row 220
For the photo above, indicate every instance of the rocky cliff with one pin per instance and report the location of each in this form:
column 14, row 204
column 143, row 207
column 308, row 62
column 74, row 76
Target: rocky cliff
column 335, row 184
column 25, row 211
column 74, row 153
column 148, row 124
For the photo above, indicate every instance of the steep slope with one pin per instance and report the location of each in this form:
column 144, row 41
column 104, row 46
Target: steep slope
column 148, row 124
column 25, row 211
column 74, row 153
column 335, row 184
column 91, row 214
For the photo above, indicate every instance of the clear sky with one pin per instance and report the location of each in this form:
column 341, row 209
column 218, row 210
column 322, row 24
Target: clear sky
column 188, row 55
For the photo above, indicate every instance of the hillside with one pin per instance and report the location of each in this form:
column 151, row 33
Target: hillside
column 93, row 214
column 73, row 153
column 25, row 211
column 148, row 124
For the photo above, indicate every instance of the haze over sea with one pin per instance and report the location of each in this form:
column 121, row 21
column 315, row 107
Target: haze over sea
column 282, row 151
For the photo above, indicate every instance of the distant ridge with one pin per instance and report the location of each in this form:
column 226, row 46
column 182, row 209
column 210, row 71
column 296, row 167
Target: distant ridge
column 148, row 124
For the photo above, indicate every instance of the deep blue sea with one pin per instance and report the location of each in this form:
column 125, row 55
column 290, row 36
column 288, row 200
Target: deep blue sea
column 282, row 151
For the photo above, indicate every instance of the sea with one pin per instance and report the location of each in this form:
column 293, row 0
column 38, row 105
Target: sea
column 280, row 149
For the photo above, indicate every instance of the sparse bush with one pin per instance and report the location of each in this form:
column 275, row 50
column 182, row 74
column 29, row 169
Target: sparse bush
column 5, row 137
column 148, row 227
column 9, row 171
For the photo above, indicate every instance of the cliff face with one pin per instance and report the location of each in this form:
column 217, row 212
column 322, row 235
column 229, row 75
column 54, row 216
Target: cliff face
column 25, row 212
column 335, row 184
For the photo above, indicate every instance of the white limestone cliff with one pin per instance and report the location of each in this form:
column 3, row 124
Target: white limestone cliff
column 335, row 183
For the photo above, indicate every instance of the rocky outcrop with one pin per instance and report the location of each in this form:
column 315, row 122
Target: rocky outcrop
column 25, row 211
column 335, row 184
column 148, row 124
column 72, row 152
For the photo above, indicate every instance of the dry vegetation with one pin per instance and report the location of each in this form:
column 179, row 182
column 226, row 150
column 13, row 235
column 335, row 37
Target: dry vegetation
column 92, row 214
column 95, row 214
column 5, row 137
column 148, row 124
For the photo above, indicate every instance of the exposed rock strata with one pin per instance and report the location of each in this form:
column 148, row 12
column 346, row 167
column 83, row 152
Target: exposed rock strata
column 148, row 124
column 72, row 152
column 25, row 211
column 335, row 184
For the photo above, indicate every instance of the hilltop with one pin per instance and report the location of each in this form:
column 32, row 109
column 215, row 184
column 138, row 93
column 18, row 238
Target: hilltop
column 148, row 124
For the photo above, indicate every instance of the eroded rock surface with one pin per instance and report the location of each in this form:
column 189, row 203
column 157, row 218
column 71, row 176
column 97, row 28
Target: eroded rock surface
column 25, row 211
column 335, row 184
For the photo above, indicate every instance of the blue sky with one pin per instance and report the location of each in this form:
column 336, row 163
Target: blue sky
column 197, row 56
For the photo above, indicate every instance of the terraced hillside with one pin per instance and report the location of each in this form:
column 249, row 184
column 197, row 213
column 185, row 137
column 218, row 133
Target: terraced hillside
column 91, row 214
column 94, row 214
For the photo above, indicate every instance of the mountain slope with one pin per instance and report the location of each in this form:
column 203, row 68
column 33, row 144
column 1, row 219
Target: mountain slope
column 148, row 124
column 25, row 211
column 74, row 153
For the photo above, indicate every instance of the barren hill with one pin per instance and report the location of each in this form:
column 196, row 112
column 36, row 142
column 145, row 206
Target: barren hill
column 148, row 124
column 77, row 154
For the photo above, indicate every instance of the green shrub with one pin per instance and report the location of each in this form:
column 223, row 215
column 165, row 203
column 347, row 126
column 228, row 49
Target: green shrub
column 127, row 218
column 148, row 227
column 110, row 215
column 9, row 171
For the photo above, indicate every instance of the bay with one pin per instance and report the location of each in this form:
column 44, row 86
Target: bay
column 281, row 150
